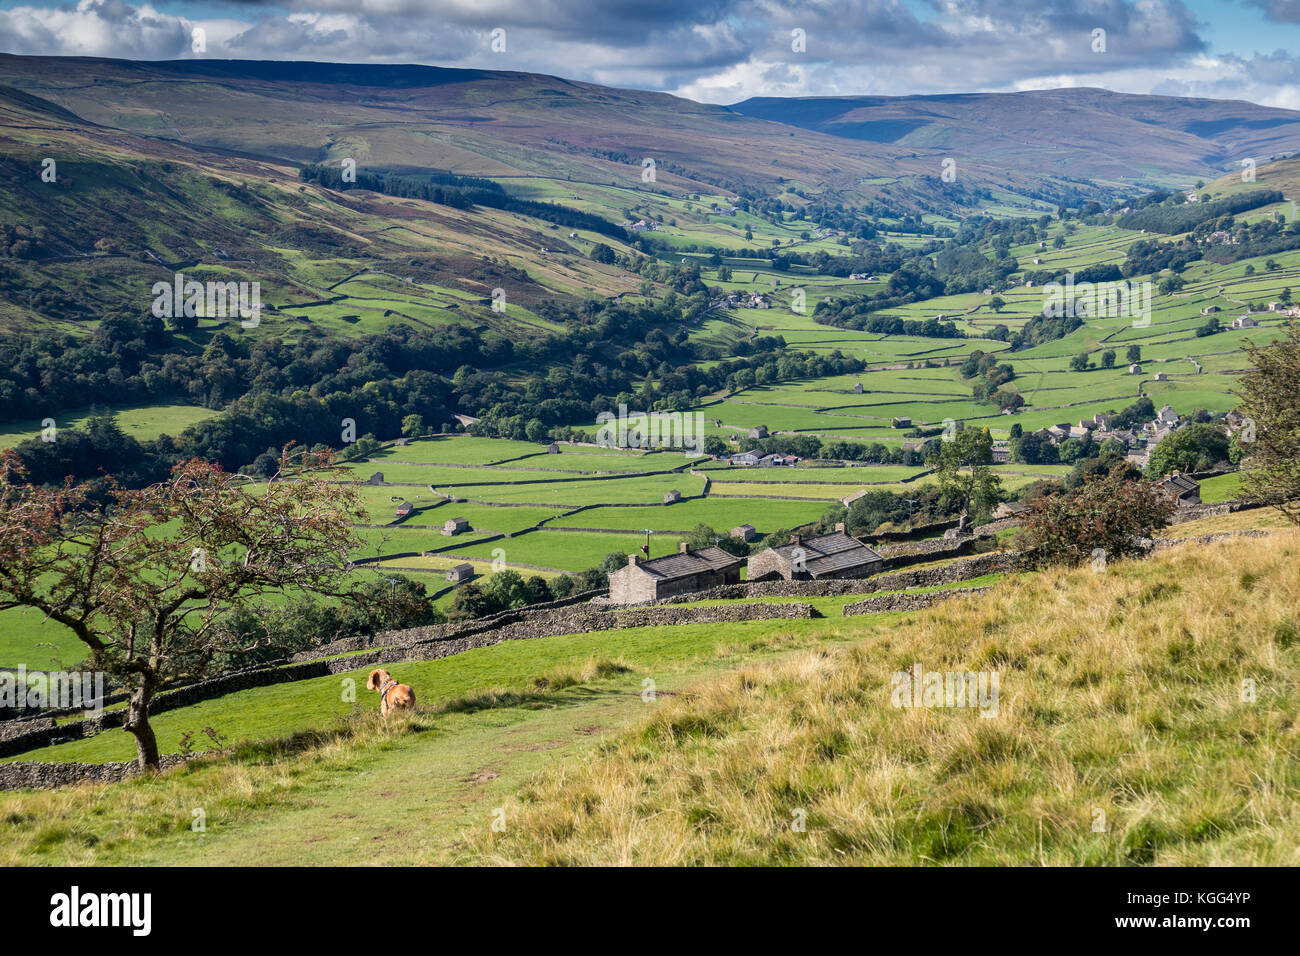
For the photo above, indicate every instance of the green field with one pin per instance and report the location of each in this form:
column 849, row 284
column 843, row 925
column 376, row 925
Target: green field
column 142, row 422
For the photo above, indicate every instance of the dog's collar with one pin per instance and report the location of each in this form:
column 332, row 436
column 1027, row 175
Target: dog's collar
column 388, row 685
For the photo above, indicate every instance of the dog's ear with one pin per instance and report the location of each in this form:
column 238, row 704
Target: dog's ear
column 372, row 682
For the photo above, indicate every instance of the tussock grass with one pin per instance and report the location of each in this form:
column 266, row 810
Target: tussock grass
column 1120, row 693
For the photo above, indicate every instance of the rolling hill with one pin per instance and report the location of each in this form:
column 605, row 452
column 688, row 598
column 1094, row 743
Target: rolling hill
column 126, row 210
column 410, row 118
column 507, row 125
column 1086, row 133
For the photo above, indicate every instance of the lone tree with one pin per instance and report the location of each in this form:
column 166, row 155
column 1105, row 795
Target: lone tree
column 143, row 576
column 962, row 465
column 1111, row 513
column 1270, row 394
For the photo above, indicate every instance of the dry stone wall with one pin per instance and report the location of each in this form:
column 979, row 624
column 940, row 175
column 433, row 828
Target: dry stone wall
column 32, row 774
column 416, row 644
column 905, row 602
column 932, row 549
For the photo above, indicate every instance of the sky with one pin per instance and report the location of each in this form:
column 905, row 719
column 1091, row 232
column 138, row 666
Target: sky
column 723, row 51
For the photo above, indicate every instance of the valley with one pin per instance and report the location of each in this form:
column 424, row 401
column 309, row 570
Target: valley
column 852, row 351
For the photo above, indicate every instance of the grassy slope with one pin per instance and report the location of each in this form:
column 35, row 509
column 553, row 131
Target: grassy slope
column 1119, row 692
column 309, row 797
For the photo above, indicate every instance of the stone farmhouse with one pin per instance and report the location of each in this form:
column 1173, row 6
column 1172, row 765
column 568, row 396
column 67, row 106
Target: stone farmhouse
column 1186, row 491
column 404, row 509
column 455, row 526
column 777, row 461
column 744, row 532
column 673, row 574
column 824, row 557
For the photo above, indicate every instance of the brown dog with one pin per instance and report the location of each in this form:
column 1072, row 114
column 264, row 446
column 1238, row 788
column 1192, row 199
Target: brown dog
column 392, row 695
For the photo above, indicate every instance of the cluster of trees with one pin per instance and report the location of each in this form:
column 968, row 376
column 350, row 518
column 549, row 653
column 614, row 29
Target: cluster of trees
column 20, row 242
column 1037, row 448
column 1173, row 214
column 1211, row 326
column 856, row 315
column 991, row 377
column 1197, row 447
column 508, row 590
column 1139, row 412
column 460, row 192
column 124, row 360
column 274, row 392
column 1149, row 256
column 1249, row 240
column 1044, row 328
column 878, row 512
column 834, row 449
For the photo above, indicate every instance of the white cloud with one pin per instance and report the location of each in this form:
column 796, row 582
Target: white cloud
column 718, row 51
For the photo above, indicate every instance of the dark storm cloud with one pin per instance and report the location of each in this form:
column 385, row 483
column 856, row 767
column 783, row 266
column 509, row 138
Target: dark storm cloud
column 718, row 50
column 1281, row 11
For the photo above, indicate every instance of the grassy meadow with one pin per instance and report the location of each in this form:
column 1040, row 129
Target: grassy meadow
column 1119, row 693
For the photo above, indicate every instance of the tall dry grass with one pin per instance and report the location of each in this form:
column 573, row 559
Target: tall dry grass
column 1121, row 693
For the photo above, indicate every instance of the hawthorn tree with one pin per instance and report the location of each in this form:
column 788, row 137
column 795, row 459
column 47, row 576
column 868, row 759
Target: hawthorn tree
column 1113, row 513
column 143, row 577
column 1270, row 395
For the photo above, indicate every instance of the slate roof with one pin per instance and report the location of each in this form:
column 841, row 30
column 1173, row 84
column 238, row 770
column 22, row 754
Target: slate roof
column 1181, row 485
column 672, row 566
column 828, row 553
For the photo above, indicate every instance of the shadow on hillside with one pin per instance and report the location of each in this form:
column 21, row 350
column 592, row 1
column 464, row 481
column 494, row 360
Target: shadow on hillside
column 530, row 700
